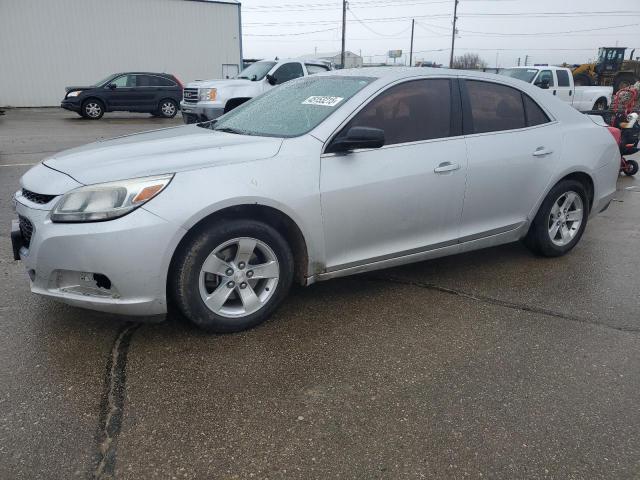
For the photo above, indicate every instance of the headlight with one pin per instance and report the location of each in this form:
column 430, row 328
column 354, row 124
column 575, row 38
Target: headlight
column 106, row 201
column 207, row 94
column 75, row 93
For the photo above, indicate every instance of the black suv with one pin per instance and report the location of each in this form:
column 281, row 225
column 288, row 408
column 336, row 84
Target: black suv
column 156, row 93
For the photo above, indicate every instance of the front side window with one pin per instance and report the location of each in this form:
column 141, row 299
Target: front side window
column 494, row 107
column 124, row 81
column 546, row 76
column 409, row 112
column 311, row 69
column 287, row 72
column 292, row 109
column 563, row 78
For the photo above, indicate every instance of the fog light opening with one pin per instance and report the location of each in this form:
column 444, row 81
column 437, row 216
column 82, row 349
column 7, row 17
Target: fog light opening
column 32, row 275
column 102, row 281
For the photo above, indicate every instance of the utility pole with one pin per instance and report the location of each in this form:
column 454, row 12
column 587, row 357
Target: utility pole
column 453, row 33
column 518, row 61
column 413, row 22
column 526, row 60
column 344, row 26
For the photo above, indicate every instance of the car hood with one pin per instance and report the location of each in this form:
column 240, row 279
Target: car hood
column 236, row 82
column 156, row 152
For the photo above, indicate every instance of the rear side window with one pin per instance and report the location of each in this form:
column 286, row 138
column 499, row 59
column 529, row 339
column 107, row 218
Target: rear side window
column 409, row 112
column 154, row 81
column 495, row 107
column 316, row 69
column 563, row 78
column 535, row 115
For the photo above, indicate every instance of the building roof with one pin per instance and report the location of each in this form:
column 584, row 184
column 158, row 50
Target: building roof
column 328, row 54
column 233, row 2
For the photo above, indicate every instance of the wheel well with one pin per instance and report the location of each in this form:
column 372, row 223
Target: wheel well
column 586, row 180
column 95, row 99
column 234, row 102
column 271, row 216
column 602, row 98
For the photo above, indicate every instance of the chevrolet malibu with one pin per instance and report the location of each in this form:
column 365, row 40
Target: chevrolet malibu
column 324, row 176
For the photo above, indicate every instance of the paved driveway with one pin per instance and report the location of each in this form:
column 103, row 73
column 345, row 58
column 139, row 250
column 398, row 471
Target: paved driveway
column 493, row 364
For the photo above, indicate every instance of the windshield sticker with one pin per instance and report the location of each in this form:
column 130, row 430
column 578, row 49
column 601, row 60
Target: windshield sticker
column 322, row 100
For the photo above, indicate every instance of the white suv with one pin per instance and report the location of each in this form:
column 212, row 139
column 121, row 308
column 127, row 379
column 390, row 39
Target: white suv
column 208, row 99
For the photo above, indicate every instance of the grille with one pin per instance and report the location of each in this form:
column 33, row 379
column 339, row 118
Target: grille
column 37, row 197
column 190, row 95
column 26, row 228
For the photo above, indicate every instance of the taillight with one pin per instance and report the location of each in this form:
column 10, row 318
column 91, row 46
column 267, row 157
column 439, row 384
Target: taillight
column 616, row 133
column 179, row 82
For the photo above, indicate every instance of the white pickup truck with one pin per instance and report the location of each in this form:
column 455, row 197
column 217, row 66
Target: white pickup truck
column 559, row 81
column 208, row 99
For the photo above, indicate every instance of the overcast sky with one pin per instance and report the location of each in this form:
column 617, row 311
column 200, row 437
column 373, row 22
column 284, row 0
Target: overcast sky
column 549, row 31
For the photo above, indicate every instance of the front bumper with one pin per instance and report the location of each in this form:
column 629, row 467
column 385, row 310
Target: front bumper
column 119, row 266
column 197, row 112
column 71, row 104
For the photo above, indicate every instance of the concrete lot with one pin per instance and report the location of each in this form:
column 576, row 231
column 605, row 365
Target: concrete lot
column 494, row 364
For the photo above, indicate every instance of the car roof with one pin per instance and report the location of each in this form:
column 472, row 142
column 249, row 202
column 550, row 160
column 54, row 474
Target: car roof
column 145, row 73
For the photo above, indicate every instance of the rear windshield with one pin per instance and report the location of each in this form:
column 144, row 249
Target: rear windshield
column 293, row 108
column 525, row 74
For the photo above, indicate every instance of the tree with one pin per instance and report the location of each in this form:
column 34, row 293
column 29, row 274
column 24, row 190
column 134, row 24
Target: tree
column 469, row 61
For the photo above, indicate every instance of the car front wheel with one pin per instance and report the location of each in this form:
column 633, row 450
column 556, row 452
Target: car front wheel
column 92, row 109
column 231, row 276
column 561, row 220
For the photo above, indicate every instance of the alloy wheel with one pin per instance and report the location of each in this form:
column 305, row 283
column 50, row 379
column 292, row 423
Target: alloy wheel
column 239, row 277
column 168, row 109
column 565, row 218
column 93, row 109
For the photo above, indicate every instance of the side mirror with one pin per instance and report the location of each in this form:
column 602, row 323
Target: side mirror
column 111, row 86
column 358, row 137
column 271, row 79
column 543, row 84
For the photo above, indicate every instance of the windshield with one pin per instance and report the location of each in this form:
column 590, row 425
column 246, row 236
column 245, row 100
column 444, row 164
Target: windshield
column 293, row 108
column 103, row 81
column 256, row 71
column 525, row 74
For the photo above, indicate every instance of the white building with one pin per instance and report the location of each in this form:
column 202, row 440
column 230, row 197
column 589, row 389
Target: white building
column 351, row 60
column 46, row 45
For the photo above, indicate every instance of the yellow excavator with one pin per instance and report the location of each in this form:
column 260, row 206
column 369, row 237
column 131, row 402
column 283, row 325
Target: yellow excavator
column 611, row 69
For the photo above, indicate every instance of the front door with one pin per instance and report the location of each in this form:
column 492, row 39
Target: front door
column 512, row 146
column 405, row 197
column 124, row 94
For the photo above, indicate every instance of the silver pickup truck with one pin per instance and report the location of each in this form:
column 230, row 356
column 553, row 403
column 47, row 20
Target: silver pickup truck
column 208, row 99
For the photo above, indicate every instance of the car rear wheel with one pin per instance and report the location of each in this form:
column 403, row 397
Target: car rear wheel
column 561, row 220
column 92, row 109
column 231, row 276
column 167, row 108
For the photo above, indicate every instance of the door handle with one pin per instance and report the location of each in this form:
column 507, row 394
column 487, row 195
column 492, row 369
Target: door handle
column 446, row 167
column 542, row 151
column 554, row 92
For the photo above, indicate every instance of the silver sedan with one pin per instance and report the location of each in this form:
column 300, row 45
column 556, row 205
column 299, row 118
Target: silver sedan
column 325, row 176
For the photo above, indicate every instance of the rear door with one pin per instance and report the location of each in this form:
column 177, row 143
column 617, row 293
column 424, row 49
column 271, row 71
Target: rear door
column 407, row 196
column 154, row 88
column 512, row 145
column 565, row 90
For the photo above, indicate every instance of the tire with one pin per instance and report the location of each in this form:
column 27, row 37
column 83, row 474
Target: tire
column 582, row 80
column 539, row 238
column 632, row 168
column 232, row 299
column 167, row 108
column 601, row 104
column 624, row 80
column 93, row 109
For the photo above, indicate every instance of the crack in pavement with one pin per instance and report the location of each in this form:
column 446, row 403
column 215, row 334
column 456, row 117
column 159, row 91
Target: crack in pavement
column 503, row 303
column 112, row 405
